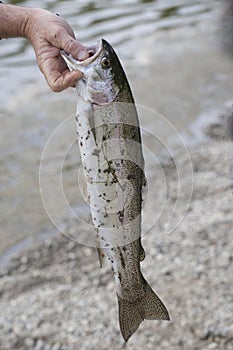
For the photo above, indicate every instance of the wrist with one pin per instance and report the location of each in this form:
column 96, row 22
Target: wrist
column 14, row 20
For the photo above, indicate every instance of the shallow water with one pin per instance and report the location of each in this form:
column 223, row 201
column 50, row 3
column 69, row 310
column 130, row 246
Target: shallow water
column 173, row 59
column 118, row 21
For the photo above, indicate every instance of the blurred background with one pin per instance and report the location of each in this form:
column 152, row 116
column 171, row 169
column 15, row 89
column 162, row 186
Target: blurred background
column 174, row 58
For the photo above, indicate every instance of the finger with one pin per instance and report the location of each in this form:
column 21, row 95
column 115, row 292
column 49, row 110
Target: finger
column 61, row 81
column 73, row 47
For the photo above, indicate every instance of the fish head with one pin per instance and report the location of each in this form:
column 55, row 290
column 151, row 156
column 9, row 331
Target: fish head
column 102, row 74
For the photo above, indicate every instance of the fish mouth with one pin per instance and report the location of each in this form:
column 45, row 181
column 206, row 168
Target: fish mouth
column 94, row 51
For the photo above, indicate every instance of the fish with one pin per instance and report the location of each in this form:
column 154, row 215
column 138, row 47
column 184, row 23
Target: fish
column 110, row 146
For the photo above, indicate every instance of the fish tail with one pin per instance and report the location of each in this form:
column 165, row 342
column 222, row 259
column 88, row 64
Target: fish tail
column 132, row 313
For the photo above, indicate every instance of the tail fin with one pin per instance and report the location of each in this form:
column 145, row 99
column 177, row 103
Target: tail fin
column 131, row 314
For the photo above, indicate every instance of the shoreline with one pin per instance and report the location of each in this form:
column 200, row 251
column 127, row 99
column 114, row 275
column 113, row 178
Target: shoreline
column 54, row 296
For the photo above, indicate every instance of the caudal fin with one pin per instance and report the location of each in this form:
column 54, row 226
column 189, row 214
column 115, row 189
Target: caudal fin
column 131, row 314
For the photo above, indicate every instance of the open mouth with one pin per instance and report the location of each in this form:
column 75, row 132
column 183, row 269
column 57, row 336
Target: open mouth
column 93, row 51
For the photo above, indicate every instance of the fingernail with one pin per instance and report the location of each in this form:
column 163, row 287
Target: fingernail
column 82, row 55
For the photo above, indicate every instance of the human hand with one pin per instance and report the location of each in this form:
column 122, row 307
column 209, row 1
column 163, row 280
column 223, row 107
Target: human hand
column 49, row 34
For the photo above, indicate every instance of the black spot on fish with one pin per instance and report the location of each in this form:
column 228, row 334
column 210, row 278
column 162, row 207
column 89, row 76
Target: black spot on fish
column 120, row 214
column 114, row 181
column 120, row 277
column 96, row 152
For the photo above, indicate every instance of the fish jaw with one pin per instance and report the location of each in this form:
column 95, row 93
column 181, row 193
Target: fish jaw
column 97, row 84
column 74, row 64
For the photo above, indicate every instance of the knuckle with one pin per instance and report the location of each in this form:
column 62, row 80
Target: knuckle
column 70, row 45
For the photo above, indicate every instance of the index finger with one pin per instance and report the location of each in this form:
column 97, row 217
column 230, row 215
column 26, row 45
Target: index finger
column 73, row 47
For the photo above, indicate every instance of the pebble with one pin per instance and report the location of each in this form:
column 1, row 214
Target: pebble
column 39, row 345
column 56, row 346
column 24, row 260
column 29, row 342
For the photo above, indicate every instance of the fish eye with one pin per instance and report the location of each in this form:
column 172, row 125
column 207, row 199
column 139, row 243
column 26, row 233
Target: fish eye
column 105, row 62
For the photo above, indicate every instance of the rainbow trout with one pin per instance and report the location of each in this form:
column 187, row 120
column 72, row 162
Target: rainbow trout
column 113, row 166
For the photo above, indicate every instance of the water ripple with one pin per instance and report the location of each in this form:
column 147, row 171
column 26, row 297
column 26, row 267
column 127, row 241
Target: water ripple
column 119, row 21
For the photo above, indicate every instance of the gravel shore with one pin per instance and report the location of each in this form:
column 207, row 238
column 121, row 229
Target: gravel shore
column 54, row 296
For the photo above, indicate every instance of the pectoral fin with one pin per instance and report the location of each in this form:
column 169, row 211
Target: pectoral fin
column 83, row 186
column 101, row 255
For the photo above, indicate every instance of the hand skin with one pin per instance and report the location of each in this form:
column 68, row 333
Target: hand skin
column 48, row 34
